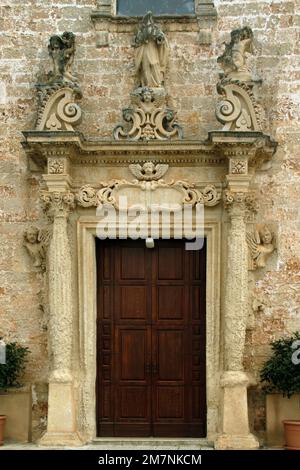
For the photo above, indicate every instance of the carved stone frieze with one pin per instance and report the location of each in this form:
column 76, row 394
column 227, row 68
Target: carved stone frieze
column 260, row 246
column 88, row 196
column 57, row 204
column 148, row 171
column 148, row 117
column 36, row 242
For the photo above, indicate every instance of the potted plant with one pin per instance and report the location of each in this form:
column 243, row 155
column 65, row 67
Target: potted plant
column 281, row 374
column 10, row 370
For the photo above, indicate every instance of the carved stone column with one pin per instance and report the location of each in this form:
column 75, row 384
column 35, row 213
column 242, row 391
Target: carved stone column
column 234, row 418
column 61, row 427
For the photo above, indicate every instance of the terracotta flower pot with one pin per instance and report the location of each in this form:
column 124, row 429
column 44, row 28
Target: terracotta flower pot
column 292, row 434
column 2, row 427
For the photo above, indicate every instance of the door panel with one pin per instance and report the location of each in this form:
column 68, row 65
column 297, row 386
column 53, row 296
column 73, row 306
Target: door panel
column 150, row 339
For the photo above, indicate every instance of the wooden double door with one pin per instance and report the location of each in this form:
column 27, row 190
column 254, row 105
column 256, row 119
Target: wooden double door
column 150, row 339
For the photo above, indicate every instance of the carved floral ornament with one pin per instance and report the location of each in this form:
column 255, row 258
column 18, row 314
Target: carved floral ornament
column 56, row 166
column 88, row 196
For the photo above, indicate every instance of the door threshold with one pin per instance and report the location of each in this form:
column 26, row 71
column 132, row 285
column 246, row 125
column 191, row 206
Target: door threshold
column 152, row 443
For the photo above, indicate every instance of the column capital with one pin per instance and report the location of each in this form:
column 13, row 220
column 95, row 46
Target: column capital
column 240, row 203
column 58, row 204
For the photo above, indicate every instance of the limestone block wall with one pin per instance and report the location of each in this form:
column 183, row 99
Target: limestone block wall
column 106, row 76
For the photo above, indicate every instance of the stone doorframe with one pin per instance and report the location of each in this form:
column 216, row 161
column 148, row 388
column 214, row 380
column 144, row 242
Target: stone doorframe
column 86, row 233
column 74, row 167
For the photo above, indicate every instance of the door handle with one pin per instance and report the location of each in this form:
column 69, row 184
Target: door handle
column 148, row 368
column 154, row 368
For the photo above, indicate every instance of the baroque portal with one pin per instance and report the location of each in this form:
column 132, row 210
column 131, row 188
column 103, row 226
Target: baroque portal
column 78, row 174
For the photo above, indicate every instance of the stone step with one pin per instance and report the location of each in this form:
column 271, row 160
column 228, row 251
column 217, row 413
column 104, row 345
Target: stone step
column 154, row 443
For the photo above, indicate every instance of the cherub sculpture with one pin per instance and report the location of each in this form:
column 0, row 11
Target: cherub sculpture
column 261, row 245
column 149, row 171
column 151, row 53
column 62, row 50
column 233, row 60
column 36, row 242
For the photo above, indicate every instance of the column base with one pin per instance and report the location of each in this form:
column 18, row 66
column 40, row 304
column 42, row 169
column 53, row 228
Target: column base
column 235, row 423
column 61, row 428
column 230, row 442
column 58, row 439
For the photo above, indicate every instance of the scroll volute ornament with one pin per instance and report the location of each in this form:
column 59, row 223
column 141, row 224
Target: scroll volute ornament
column 239, row 109
column 57, row 204
column 57, row 95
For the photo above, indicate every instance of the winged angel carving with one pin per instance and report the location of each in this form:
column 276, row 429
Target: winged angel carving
column 36, row 242
column 261, row 245
column 149, row 171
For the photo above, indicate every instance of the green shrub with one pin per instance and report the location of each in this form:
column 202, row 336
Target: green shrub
column 16, row 357
column 279, row 374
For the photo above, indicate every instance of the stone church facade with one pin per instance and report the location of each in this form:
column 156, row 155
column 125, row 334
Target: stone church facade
column 192, row 109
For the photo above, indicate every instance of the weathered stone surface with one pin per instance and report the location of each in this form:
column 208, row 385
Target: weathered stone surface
column 106, row 76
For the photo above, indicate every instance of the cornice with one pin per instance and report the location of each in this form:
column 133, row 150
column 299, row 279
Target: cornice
column 40, row 146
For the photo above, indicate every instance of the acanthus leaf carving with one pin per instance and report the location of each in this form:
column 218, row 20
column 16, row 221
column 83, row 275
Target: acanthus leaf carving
column 244, row 204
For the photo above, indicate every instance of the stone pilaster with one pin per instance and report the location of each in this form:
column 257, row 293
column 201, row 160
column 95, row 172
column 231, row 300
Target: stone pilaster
column 234, row 382
column 61, row 427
